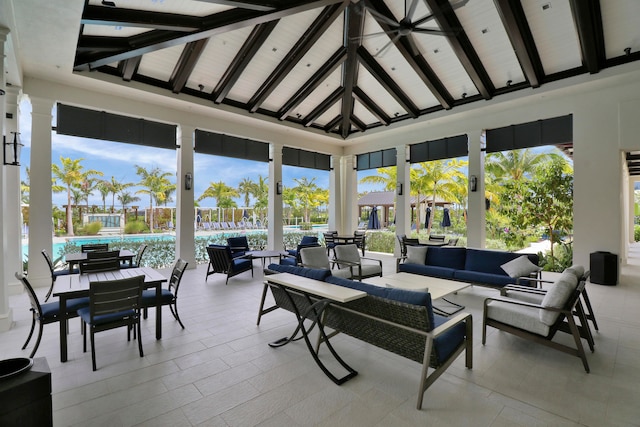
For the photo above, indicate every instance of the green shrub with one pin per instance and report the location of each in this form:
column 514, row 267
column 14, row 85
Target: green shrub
column 91, row 229
column 306, row 226
column 562, row 258
column 135, row 227
column 636, row 233
column 380, row 241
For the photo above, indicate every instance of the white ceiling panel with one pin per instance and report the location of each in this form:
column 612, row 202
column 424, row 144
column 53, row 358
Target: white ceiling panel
column 160, row 64
column 484, row 28
column 378, row 93
column 272, row 52
column 180, row 7
column 554, row 32
column 330, row 84
column 619, row 31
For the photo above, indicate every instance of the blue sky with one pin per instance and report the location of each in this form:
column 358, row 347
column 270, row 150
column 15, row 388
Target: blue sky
column 119, row 160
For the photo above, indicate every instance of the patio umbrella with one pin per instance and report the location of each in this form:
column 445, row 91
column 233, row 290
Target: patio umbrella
column 374, row 223
column 427, row 217
column 446, row 219
column 245, row 215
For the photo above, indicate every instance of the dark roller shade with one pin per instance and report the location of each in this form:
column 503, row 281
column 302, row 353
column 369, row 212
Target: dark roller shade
column 219, row 144
column 557, row 130
column 444, row 148
column 376, row 159
column 86, row 123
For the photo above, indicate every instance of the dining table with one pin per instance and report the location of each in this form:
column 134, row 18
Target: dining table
column 74, row 258
column 77, row 286
column 344, row 239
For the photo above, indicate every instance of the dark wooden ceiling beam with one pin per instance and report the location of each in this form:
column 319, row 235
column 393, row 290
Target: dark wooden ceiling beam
column 588, row 19
column 517, row 27
column 249, row 4
column 242, row 59
column 354, row 27
column 187, row 62
column 358, row 123
column 302, row 46
column 101, row 44
column 462, row 47
column 633, row 156
column 111, row 16
column 370, row 105
column 128, row 68
column 333, row 124
column 418, row 63
column 387, row 82
column 310, row 85
column 323, row 107
column 218, row 23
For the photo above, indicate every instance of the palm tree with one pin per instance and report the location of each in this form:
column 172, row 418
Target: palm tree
column 246, row 187
column 514, row 165
column 116, row 187
column 86, row 187
column 71, row 174
column 155, row 181
column 388, row 177
column 307, row 191
column 25, row 187
column 221, row 192
column 104, row 188
column 437, row 179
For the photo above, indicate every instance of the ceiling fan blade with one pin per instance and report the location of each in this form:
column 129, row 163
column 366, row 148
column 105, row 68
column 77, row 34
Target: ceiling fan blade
column 368, row 36
column 380, row 17
column 434, row 31
column 412, row 9
column 386, row 46
column 424, row 19
column 414, row 48
column 459, row 4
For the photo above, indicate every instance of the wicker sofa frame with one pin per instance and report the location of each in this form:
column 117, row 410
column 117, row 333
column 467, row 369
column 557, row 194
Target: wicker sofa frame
column 400, row 328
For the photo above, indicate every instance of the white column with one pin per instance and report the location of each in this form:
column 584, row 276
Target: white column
column 335, row 195
column 350, row 206
column 40, row 199
column 274, row 214
column 403, row 201
column 476, row 221
column 185, row 213
column 12, row 213
column 6, row 316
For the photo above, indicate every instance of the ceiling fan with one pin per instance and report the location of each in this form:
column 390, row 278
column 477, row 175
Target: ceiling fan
column 407, row 25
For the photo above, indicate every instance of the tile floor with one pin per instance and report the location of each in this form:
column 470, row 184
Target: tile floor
column 219, row 371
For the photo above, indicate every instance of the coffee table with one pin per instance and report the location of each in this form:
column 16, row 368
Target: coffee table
column 438, row 288
column 263, row 255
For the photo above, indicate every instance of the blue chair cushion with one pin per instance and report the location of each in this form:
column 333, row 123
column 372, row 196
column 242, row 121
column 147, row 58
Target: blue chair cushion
column 490, row 279
column 85, row 315
column 288, row 261
column 52, row 309
column 293, row 252
column 241, row 264
column 311, row 273
column 57, row 273
column 308, row 240
column 149, row 297
column 447, row 343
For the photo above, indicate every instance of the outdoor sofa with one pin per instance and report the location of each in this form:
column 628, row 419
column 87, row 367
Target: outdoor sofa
column 478, row 266
column 397, row 320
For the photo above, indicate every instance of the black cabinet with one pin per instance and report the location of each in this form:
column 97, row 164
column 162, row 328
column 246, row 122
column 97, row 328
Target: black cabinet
column 604, row 268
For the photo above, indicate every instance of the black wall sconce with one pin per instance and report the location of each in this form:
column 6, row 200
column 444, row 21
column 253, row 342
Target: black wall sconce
column 12, row 150
column 188, row 181
column 399, row 189
column 473, row 183
column 279, row 187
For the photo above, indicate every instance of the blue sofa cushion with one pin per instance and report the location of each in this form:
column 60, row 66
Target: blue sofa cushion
column 447, row 343
column 490, row 279
column 450, row 257
column 427, row 270
column 241, row 264
column 311, row 273
column 488, row 261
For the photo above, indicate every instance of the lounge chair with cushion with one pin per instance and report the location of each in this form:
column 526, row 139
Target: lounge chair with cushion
column 316, row 258
column 539, row 321
column 293, row 255
column 239, row 246
column 348, row 256
column 221, row 261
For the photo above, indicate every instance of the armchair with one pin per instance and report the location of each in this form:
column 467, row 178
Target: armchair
column 318, row 259
column 239, row 246
column 293, row 255
column 221, row 261
column 348, row 255
column 523, row 316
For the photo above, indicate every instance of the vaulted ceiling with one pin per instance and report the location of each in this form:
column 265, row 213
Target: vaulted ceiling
column 344, row 67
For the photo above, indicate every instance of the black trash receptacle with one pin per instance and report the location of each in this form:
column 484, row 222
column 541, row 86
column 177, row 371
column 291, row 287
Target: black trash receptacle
column 604, row 268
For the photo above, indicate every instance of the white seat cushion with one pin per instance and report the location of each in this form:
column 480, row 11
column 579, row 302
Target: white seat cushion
column 347, row 253
column 368, row 269
column 344, row 273
column 315, row 257
column 519, row 316
column 526, row 297
column 416, row 254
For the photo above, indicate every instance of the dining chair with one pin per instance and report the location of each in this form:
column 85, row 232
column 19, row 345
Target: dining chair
column 137, row 261
column 329, row 241
column 359, row 238
column 169, row 296
column 100, row 261
column 92, row 247
column 54, row 273
column 44, row 314
column 112, row 304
